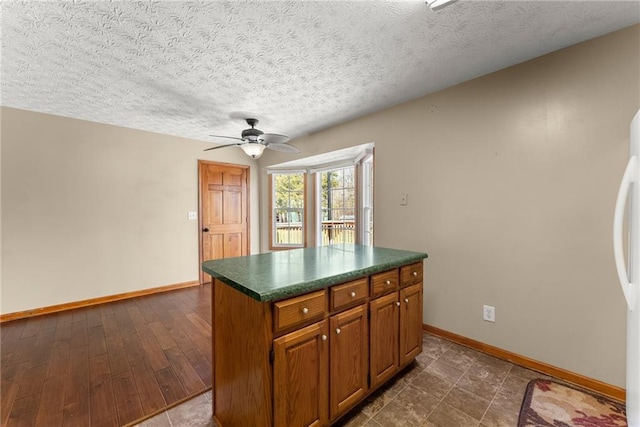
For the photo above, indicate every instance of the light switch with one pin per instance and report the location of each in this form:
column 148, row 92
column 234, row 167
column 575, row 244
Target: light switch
column 403, row 199
column 193, row 215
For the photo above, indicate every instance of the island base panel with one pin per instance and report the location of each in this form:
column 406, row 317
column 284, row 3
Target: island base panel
column 242, row 371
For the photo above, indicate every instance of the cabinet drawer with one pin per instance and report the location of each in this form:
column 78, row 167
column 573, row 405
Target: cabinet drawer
column 348, row 293
column 384, row 282
column 294, row 311
column 411, row 274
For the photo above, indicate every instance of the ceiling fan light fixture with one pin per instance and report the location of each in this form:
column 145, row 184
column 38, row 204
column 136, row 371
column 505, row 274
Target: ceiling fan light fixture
column 254, row 150
column 439, row 4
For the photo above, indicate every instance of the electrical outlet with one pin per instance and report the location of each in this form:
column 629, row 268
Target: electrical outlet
column 489, row 313
column 403, row 199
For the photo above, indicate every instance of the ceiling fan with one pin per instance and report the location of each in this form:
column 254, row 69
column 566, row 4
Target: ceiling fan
column 254, row 141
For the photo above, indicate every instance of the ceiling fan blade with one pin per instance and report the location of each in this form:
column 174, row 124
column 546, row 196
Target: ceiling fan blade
column 227, row 137
column 285, row 148
column 221, row 146
column 273, row 138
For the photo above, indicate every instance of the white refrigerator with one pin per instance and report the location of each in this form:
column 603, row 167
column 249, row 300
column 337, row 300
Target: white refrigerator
column 629, row 272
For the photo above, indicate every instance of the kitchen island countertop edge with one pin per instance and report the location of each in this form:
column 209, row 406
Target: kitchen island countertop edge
column 276, row 275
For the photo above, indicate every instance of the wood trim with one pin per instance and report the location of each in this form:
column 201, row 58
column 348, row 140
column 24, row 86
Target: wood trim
column 609, row 390
column 93, row 301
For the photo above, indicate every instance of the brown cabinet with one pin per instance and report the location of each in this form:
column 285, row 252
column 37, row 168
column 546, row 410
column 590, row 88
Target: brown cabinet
column 383, row 283
column 299, row 310
column 349, row 294
column 410, row 323
column 308, row 359
column 411, row 274
column 384, row 338
column 396, row 322
column 348, row 362
column 300, row 377
column 319, row 363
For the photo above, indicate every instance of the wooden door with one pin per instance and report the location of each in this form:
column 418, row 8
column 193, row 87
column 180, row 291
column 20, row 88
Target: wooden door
column 301, row 377
column 410, row 323
column 349, row 348
column 224, row 216
column 384, row 360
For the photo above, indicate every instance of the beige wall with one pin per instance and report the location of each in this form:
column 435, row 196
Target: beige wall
column 90, row 210
column 512, row 180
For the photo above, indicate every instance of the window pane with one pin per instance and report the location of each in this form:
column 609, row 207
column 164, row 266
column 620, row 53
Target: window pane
column 337, row 207
column 288, row 209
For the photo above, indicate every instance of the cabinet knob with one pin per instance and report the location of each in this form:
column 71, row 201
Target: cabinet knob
column 305, row 310
column 388, row 282
column 415, row 273
column 323, row 337
column 353, row 294
column 406, row 300
column 338, row 331
column 398, row 303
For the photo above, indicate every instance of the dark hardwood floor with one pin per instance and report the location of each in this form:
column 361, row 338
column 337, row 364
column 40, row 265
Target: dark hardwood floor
column 106, row 365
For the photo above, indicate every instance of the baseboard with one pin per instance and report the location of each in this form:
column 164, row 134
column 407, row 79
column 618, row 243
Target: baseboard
column 93, row 301
column 609, row 390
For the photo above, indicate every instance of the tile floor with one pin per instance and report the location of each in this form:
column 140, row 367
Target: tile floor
column 448, row 386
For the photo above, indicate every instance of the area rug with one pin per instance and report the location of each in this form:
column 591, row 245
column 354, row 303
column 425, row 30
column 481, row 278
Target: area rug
column 551, row 404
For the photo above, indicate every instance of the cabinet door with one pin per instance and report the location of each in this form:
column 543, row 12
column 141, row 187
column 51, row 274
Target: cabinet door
column 349, row 343
column 384, row 338
column 300, row 377
column 410, row 323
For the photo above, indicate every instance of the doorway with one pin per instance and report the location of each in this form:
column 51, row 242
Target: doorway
column 223, row 211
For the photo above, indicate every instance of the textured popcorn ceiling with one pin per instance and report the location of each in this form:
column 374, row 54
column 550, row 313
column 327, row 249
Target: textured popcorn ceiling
column 195, row 68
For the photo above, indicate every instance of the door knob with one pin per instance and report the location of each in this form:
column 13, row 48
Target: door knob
column 205, row 230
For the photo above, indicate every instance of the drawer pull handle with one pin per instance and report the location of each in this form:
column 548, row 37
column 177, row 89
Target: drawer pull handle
column 398, row 303
column 324, row 337
column 388, row 282
column 415, row 273
column 353, row 294
column 406, row 300
column 305, row 310
column 338, row 331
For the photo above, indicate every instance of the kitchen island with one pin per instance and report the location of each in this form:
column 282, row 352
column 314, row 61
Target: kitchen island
column 302, row 336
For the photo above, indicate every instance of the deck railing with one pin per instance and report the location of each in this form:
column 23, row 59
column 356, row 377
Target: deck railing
column 338, row 231
column 289, row 234
column 334, row 231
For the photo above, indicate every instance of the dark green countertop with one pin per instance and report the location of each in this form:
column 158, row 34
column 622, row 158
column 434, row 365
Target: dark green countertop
column 276, row 275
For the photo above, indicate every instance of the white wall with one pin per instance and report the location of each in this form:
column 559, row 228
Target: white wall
column 512, row 180
column 91, row 210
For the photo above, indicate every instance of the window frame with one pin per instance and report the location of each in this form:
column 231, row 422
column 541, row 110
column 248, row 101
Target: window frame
column 366, row 201
column 310, row 168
